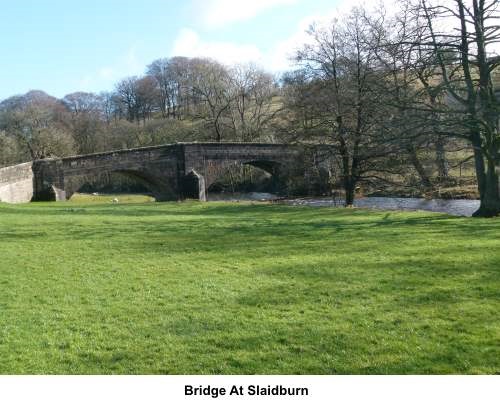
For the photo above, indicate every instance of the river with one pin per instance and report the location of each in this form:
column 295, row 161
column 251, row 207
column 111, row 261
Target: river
column 453, row 207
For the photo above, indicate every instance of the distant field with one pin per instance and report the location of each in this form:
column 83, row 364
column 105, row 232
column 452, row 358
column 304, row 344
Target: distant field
column 171, row 288
column 107, row 198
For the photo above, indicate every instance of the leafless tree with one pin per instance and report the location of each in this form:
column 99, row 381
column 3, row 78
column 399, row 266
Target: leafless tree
column 461, row 38
column 126, row 91
column 212, row 99
column 252, row 93
column 86, row 118
column 36, row 126
column 340, row 66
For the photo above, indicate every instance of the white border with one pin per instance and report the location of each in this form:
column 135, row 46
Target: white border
column 373, row 390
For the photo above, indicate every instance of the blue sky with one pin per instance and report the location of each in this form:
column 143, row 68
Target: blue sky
column 60, row 46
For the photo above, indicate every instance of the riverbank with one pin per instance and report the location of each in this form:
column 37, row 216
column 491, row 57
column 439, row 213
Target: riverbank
column 460, row 207
column 226, row 288
column 462, row 192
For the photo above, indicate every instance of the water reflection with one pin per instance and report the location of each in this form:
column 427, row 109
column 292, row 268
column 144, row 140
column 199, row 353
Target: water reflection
column 241, row 196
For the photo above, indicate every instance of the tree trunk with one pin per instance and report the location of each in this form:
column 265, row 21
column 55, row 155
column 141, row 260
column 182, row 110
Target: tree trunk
column 442, row 163
column 479, row 163
column 349, row 187
column 489, row 191
column 348, row 179
column 415, row 161
column 218, row 136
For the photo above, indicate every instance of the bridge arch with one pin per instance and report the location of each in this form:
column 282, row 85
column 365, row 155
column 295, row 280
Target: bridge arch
column 227, row 172
column 155, row 185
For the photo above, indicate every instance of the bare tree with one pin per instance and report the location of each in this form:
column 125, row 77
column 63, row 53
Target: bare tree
column 35, row 130
column 164, row 73
column 146, row 97
column 86, row 120
column 210, row 85
column 182, row 92
column 110, row 106
column 401, row 83
column 126, row 91
column 341, row 66
column 462, row 36
column 10, row 152
column 252, row 109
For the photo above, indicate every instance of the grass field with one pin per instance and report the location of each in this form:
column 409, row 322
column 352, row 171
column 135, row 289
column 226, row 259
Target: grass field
column 98, row 288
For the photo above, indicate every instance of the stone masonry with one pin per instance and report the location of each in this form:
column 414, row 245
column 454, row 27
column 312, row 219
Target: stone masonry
column 170, row 172
column 16, row 183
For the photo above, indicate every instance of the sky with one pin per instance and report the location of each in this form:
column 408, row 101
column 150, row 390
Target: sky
column 61, row 47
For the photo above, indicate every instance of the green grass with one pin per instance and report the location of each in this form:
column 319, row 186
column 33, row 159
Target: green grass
column 107, row 198
column 245, row 288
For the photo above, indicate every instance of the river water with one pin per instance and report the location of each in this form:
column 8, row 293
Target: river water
column 453, row 207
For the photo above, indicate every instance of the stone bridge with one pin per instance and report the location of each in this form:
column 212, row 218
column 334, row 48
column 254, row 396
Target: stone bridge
column 170, row 172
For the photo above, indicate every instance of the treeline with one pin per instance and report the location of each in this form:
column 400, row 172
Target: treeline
column 392, row 95
column 178, row 99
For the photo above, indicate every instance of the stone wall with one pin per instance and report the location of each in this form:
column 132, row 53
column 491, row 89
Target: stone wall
column 16, row 183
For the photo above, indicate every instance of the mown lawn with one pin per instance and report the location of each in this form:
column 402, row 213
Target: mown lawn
column 175, row 288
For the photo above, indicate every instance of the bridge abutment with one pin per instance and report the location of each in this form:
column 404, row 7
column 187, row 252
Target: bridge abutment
column 193, row 186
column 48, row 180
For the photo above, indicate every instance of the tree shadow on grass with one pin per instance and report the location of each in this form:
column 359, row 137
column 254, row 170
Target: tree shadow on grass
column 211, row 233
column 195, row 209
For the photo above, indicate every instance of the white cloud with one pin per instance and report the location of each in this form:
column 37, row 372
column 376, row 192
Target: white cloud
column 277, row 59
column 280, row 58
column 189, row 43
column 106, row 72
column 104, row 78
column 218, row 13
column 132, row 65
